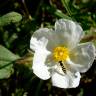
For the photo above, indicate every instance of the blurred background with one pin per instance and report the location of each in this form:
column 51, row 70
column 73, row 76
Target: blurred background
column 18, row 20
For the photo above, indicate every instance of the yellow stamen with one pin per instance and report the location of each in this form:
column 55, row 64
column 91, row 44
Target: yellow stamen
column 60, row 53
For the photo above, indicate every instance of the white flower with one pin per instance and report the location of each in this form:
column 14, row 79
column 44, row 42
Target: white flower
column 58, row 54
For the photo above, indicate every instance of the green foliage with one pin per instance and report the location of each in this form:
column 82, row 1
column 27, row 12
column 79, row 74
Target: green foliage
column 16, row 76
column 7, row 59
column 66, row 5
column 9, row 18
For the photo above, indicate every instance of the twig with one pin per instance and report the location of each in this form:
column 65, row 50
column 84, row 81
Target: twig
column 26, row 9
column 89, row 38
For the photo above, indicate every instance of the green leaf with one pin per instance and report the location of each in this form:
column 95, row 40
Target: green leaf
column 7, row 59
column 12, row 17
column 66, row 5
column 60, row 14
column 57, row 12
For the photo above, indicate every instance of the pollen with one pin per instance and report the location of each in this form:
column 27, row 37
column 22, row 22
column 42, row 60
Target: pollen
column 60, row 53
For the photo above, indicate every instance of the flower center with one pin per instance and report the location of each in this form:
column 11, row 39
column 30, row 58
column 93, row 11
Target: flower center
column 60, row 53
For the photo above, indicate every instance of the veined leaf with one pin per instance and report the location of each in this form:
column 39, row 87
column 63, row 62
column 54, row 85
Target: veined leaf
column 7, row 59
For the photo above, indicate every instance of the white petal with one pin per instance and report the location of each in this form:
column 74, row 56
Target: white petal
column 66, row 81
column 82, row 57
column 39, row 67
column 38, row 44
column 48, row 34
column 69, row 32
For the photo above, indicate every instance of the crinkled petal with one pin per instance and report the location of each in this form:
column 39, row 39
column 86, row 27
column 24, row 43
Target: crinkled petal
column 82, row 57
column 66, row 81
column 47, row 34
column 69, row 32
column 38, row 44
column 39, row 67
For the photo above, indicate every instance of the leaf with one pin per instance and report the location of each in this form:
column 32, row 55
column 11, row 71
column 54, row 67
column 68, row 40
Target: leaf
column 12, row 17
column 7, row 59
column 66, row 5
column 60, row 14
column 57, row 12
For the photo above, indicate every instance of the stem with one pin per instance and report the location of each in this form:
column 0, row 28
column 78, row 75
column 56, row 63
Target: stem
column 38, row 8
column 26, row 9
column 39, row 88
column 65, row 4
column 89, row 38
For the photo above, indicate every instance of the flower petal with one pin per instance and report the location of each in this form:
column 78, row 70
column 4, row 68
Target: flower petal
column 69, row 32
column 38, row 44
column 39, row 67
column 82, row 57
column 66, row 81
column 47, row 34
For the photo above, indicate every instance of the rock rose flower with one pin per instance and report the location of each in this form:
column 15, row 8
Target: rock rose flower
column 59, row 55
